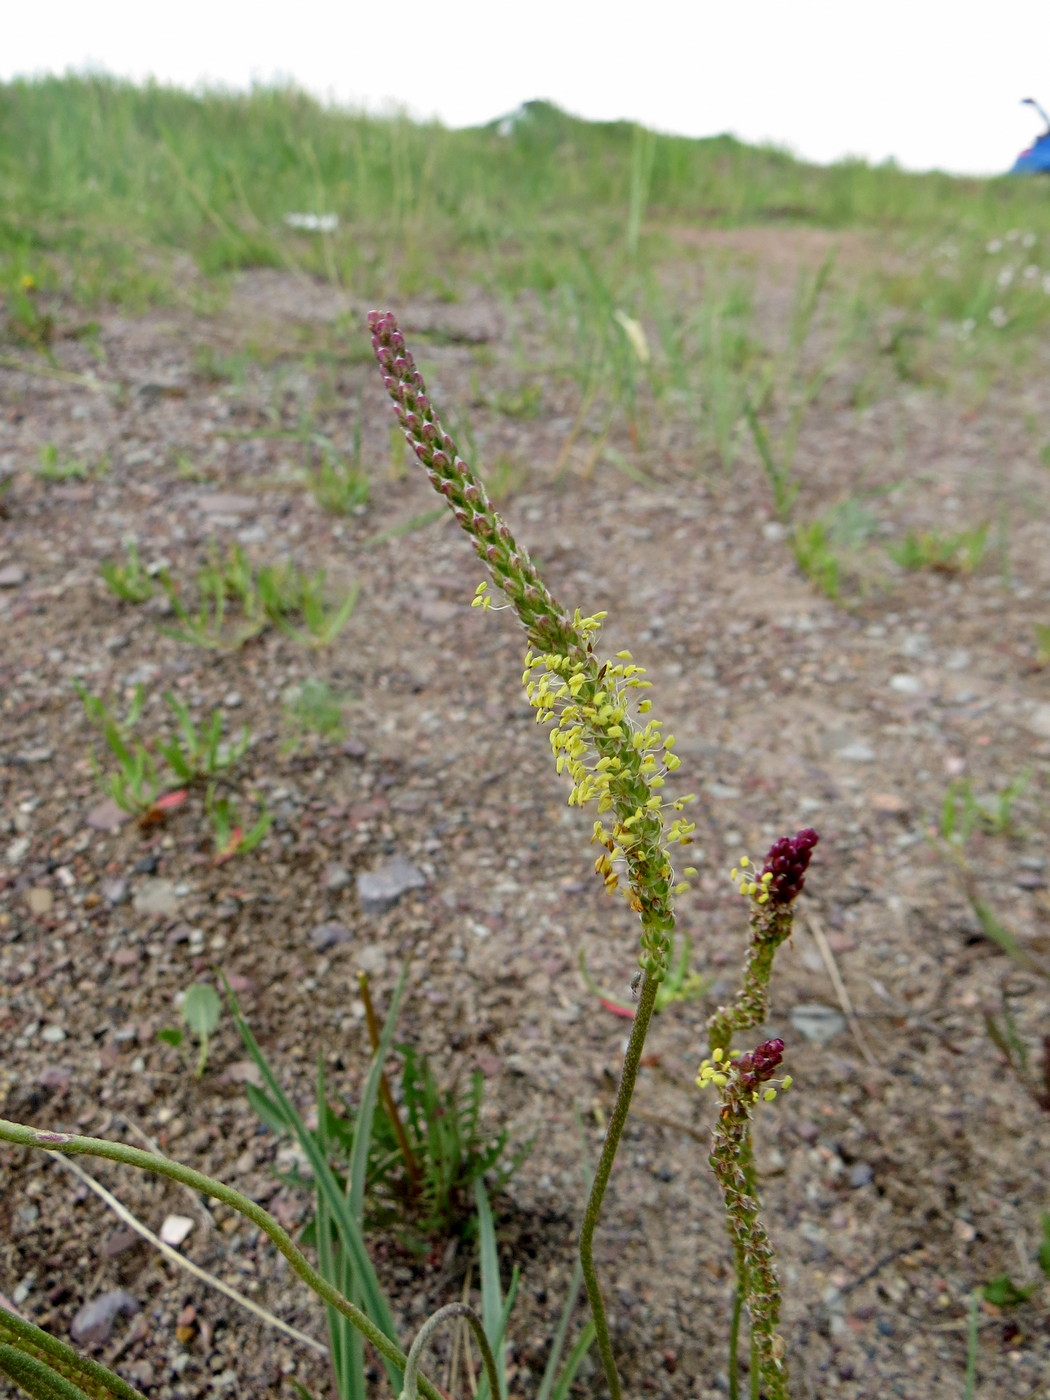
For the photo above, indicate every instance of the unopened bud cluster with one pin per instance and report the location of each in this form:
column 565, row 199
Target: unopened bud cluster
column 782, row 877
column 739, row 1077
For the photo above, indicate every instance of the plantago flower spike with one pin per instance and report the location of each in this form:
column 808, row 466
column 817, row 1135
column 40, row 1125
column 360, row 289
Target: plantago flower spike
column 612, row 758
column 738, row 1079
column 770, row 892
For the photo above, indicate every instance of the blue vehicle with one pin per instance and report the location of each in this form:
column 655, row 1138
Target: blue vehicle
column 1036, row 160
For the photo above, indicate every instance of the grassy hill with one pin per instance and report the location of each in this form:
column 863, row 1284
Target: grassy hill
column 102, row 181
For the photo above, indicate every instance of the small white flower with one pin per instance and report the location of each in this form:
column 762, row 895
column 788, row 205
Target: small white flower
column 998, row 317
column 1006, row 276
column 1031, row 272
column 995, row 246
column 1046, row 284
column 1028, row 241
column 966, row 329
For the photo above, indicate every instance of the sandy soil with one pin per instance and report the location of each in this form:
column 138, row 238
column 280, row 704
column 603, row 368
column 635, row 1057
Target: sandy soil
column 906, row 1168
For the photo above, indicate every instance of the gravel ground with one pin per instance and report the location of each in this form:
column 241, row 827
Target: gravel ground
column 907, row 1166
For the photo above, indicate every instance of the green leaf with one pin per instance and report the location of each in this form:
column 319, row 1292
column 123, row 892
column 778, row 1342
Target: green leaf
column 374, row 1301
column 1004, row 1293
column 201, row 1009
column 267, row 1110
column 36, row 1378
column 170, row 1036
column 1044, row 1249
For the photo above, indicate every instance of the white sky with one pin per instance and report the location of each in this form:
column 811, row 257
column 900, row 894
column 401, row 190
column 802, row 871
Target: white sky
column 931, row 83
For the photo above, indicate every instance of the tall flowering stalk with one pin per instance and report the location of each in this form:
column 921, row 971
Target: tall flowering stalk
column 613, row 754
column 738, row 1078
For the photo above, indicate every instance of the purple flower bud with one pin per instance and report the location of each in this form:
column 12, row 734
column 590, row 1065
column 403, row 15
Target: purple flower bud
column 462, row 516
column 787, row 862
column 397, row 340
column 761, row 1064
column 472, row 492
column 424, row 403
column 390, row 384
column 448, row 444
column 440, row 462
column 421, row 450
column 428, row 432
column 411, row 421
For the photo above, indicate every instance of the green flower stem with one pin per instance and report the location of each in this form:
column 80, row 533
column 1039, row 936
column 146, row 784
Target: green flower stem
column 770, row 926
column 73, row 1144
column 734, row 1340
column 22, row 1343
column 424, row 1334
column 642, row 1016
column 732, row 1163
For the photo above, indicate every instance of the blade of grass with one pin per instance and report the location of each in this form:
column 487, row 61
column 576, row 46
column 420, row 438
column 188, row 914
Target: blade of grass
column 347, row 1227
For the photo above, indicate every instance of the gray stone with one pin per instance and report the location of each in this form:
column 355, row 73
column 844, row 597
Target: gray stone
column 156, row 897
column 11, row 575
column 336, row 877
column 115, row 891
column 904, row 684
column 379, row 890
column 1038, row 721
column 94, row 1322
column 107, row 816
column 330, row 935
column 817, row 1024
column 857, row 752
column 861, row 1174
column 225, row 503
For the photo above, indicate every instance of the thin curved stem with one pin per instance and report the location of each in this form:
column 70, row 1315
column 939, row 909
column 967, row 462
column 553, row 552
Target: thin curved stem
column 424, row 1334
column 734, row 1341
column 75, row 1145
column 642, row 1016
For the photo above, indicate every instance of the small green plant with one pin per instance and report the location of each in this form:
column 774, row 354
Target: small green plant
column 948, row 554
column 1004, row 1033
column 134, row 785
column 194, row 755
column 1004, row 1293
column 815, row 556
column 680, row 984
column 130, row 581
column 201, row 1009
column 1042, row 643
column 231, row 838
column 427, row 1146
column 963, row 812
column 198, row 754
column 340, row 485
column 313, row 707
column 26, row 322
column 273, row 595
column 54, row 467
